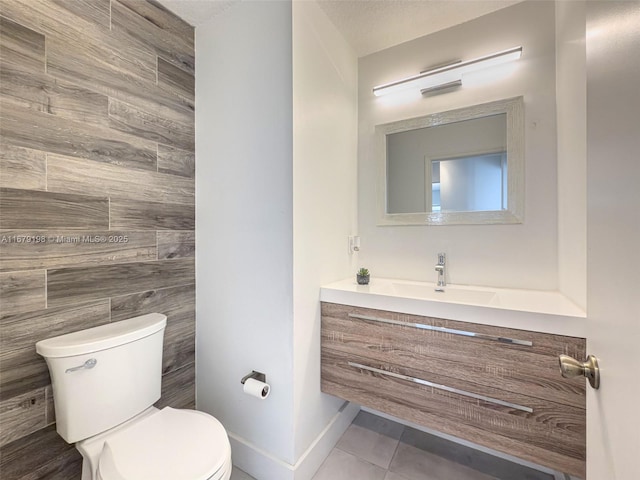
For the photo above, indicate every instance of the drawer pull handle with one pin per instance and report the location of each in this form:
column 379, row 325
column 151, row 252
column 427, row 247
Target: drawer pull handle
column 442, row 387
column 464, row 333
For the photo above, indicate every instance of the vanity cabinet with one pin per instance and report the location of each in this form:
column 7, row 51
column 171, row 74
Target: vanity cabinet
column 497, row 387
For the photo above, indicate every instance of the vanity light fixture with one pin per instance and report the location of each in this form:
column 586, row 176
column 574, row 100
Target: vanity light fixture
column 447, row 76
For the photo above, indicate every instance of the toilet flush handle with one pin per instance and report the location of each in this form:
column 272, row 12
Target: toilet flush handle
column 88, row 365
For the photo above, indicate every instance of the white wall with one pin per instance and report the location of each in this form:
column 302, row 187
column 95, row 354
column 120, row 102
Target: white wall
column 325, row 86
column 571, row 95
column 244, row 215
column 523, row 256
column 276, row 140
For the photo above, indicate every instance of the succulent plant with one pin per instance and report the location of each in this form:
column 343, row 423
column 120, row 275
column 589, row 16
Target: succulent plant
column 363, row 272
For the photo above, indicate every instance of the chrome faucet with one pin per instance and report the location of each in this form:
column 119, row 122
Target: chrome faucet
column 440, row 268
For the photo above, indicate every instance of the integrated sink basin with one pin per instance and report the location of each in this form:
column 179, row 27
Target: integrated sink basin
column 536, row 310
column 444, row 294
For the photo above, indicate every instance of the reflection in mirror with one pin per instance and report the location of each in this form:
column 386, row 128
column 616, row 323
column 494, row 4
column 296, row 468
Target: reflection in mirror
column 459, row 167
column 472, row 183
column 454, row 167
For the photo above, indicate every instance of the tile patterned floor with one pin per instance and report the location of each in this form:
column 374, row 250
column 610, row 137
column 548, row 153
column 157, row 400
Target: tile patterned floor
column 374, row 448
column 238, row 474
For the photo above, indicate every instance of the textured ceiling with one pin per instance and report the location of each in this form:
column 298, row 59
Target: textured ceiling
column 196, row 12
column 373, row 25
column 368, row 25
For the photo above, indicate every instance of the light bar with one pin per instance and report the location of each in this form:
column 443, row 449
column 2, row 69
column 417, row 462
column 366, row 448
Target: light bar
column 448, row 74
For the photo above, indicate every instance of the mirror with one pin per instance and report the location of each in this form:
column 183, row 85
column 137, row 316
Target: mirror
column 463, row 166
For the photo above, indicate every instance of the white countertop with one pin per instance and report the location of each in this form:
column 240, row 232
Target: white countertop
column 535, row 310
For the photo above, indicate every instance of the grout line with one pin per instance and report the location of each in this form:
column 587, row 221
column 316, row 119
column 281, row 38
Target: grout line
column 179, row 368
column 47, row 420
column 395, row 451
column 46, row 290
column 142, row 291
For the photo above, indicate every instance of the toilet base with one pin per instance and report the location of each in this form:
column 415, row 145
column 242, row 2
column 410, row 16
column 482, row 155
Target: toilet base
column 91, row 448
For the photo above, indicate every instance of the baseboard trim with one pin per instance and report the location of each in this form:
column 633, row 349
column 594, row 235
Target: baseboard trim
column 310, row 461
column 256, row 462
column 264, row 466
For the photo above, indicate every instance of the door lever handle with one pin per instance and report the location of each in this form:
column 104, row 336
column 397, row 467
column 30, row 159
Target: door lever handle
column 570, row 368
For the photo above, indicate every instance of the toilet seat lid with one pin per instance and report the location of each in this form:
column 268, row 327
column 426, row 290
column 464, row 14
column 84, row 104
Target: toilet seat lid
column 168, row 445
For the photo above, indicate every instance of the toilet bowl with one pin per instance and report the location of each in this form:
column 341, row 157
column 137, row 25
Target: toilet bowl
column 105, row 380
column 165, row 444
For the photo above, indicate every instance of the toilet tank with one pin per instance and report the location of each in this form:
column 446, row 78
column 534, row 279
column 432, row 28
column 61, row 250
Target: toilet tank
column 104, row 375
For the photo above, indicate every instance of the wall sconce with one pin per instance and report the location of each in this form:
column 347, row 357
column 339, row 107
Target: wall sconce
column 447, row 76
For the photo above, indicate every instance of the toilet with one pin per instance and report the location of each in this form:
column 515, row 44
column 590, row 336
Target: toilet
column 105, row 381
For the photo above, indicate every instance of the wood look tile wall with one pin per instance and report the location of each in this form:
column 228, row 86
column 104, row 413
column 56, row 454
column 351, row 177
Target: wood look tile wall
column 97, row 215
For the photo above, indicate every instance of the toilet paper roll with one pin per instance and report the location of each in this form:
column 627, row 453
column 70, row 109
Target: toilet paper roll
column 256, row 388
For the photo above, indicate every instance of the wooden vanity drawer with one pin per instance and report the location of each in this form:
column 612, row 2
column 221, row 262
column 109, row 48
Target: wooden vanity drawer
column 507, row 396
column 529, row 369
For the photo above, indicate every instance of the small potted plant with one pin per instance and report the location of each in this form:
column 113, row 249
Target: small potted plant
column 363, row 276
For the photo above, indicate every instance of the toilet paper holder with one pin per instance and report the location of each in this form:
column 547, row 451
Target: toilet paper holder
column 261, row 377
